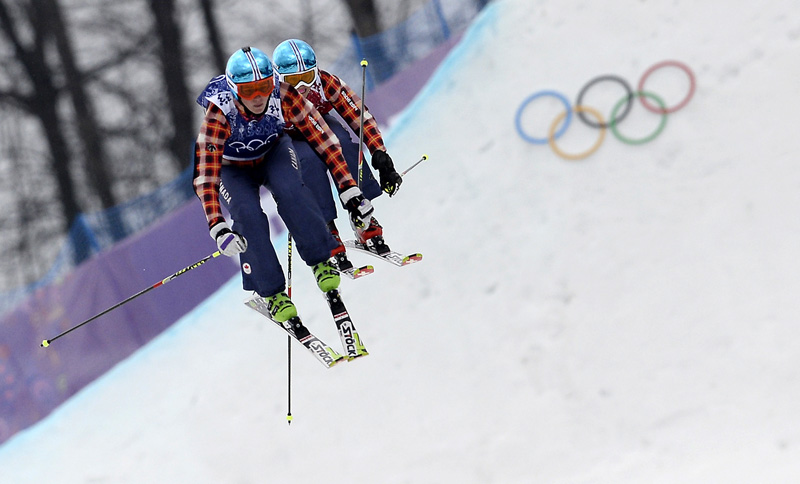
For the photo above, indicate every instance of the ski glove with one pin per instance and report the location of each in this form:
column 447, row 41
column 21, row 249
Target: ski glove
column 360, row 208
column 390, row 179
column 229, row 242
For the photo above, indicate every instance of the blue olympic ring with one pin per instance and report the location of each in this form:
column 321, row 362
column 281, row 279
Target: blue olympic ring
column 532, row 97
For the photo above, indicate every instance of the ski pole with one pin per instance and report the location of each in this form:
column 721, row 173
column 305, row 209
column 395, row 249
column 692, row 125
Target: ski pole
column 289, row 339
column 424, row 157
column 46, row 343
column 361, row 122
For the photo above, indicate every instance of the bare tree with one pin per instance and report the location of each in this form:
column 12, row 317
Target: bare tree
column 170, row 53
column 218, row 55
column 365, row 17
column 42, row 98
column 122, row 70
column 87, row 125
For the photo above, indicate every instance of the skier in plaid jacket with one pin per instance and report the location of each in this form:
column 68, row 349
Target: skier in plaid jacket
column 340, row 107
column 241, row 147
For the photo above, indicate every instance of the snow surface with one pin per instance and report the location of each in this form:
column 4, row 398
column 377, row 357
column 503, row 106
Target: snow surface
column 627, row 318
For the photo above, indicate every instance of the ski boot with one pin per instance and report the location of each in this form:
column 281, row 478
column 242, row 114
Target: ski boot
column 327, row 276
column 372, row 237
column 339, row 255
column 281, row 307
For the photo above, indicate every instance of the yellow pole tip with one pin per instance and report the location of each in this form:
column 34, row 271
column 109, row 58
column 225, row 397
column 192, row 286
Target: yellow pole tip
column 364, row 62
column 45, row 343
column 424, row 157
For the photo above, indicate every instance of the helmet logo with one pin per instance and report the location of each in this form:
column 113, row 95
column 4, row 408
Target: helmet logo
column 301, row 64
column 253, row 64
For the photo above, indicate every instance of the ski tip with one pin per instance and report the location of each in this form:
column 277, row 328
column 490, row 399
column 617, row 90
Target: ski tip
column 351, row 358
column 335, row 357
column 363, row 271
column 412, row 258
column 358, row 272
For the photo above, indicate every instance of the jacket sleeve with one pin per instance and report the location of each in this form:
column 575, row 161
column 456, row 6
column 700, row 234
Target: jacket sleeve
column 307, row 120
column 348, row 104
column 208, row 163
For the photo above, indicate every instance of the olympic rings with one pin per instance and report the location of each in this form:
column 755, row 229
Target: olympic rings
column 578, row 109
column 616, row 115
column 533, row 97
column 654, row 68
column 609, row 77
column 651, row 136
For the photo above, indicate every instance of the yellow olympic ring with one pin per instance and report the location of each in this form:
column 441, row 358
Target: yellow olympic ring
column 551, row 135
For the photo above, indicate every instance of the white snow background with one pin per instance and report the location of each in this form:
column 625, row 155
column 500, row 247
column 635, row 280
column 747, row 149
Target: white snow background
column 627, row 318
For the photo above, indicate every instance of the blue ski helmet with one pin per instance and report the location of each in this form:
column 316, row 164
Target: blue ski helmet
column 247, row 64
column 295, row 56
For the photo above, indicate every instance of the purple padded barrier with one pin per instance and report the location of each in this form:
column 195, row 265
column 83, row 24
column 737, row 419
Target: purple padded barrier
column 34, row 380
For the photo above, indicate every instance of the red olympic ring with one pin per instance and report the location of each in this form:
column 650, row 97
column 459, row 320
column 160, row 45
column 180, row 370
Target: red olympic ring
column 655, row 67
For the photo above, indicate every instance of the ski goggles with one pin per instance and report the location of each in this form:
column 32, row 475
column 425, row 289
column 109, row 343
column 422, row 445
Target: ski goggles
column 306, row 77
column 262, row 87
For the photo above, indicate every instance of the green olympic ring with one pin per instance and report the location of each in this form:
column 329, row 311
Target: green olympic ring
column 651, row 136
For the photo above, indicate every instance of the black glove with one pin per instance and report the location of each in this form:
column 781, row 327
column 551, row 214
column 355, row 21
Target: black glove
column 360, row 208
column 390, row 179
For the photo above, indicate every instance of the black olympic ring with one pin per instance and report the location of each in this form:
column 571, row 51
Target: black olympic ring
column 607, row 77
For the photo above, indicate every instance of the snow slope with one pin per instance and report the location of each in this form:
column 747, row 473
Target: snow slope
column 626, row 318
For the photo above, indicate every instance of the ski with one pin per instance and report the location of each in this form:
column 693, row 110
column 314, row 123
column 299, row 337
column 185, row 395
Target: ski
column 297, row 330
column 342, row 264
column 391, row 256
column 351, row 341
column 356, row 272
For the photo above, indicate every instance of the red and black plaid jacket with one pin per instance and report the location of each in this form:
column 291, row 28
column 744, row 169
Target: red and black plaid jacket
column 348, row 104
column 215, row 131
